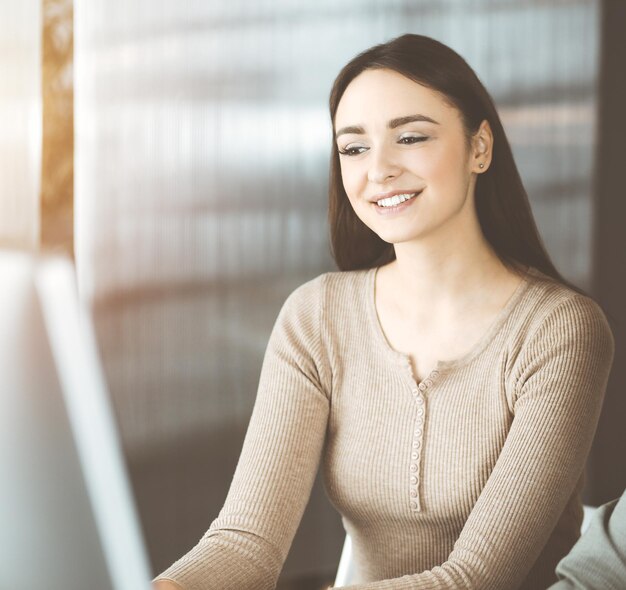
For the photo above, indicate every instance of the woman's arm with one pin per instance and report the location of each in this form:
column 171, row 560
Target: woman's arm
column 247, row 544
column 560, row 378
column 166, row 585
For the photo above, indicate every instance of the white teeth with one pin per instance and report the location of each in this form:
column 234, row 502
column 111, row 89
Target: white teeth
column 395, row 200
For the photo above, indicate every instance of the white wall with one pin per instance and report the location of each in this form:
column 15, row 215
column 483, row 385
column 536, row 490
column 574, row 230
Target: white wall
column 20, row 122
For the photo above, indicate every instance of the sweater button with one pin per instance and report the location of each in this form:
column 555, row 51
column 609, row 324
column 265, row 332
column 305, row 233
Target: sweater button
column 414, row 505
column 421, row 386
column 413, row 467
column 413, row 479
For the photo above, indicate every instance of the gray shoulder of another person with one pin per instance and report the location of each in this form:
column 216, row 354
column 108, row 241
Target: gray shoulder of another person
column 598, row 560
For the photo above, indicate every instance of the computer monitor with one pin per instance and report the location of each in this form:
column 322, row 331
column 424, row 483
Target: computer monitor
column 67, row 517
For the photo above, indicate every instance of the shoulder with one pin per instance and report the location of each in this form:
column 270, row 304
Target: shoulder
column 303, row 333
column 327, row 289
column 603, row 544
column 559, row 330
column 552, row 311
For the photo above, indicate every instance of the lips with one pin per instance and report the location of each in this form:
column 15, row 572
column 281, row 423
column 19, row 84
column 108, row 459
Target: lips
column 396, row 209
column 382, row 196
column 396, row 200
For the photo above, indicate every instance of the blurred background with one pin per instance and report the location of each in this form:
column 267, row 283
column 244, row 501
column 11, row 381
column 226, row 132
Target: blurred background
column 179, row 152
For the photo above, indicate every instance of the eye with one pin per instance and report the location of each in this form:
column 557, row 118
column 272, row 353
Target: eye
column 411, row 139
column 352, row 151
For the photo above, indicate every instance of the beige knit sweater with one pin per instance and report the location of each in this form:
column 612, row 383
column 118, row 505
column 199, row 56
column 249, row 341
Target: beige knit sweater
column 469, row 479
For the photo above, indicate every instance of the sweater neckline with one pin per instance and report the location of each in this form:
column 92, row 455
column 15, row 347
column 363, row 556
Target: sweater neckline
column 441, row 365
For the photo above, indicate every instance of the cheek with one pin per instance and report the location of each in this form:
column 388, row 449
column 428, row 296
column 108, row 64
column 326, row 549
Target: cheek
column 444, row 165
column 351, row 178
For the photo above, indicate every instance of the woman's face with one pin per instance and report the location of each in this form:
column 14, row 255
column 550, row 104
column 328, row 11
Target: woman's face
column 397, row 137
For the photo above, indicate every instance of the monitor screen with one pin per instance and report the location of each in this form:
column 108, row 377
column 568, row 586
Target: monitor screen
column 67, row 514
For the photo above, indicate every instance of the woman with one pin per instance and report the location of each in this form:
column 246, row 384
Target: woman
column 448, row 380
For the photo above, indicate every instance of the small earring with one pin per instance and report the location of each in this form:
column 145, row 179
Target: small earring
column 481, row 165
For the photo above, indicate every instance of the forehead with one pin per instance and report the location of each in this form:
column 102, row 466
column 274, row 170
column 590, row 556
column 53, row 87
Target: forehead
column 376, row 96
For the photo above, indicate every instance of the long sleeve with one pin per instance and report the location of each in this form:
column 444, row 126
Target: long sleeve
column 558, row 379
column 598, row 560
column 247, row 544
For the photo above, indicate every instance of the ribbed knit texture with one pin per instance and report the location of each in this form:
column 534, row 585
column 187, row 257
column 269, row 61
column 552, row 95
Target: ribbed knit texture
column 469, row 479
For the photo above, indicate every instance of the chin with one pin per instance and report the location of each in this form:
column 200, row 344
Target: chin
column 394, row 233
column 397, row 235
column 396, row 238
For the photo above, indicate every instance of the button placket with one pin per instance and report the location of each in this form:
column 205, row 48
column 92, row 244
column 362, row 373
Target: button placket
column 416, row 448
column 418, row 433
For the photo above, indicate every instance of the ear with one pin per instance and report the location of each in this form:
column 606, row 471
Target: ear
column 482, row 148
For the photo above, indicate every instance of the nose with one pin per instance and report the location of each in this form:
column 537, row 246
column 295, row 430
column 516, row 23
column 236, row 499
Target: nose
column 383, row 167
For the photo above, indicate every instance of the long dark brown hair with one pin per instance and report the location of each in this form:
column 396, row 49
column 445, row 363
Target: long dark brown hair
column 501, row 201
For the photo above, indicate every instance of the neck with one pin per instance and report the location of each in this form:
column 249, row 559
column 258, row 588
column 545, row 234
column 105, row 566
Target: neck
column 447, row 278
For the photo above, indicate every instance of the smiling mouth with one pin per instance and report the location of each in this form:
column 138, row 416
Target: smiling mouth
column 396, row 200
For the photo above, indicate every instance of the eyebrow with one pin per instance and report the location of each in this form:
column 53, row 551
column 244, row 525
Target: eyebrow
column 398, row 122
